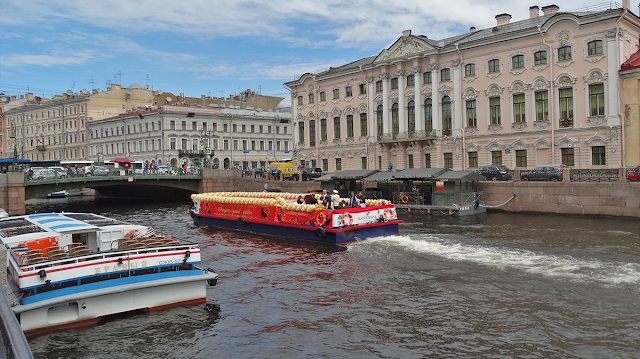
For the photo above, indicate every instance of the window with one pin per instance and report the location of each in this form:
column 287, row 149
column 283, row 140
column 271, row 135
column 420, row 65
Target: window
column 184, row 126
column 323, row 129
column 183, row 147
column 394, row 83
column 301, row 131
column 472, row 114
column 518, row 108
column 300, row 101
column 312, row 133
column 567, row 156
column 311, row 98
column 395, row 120
column 595, row 47
column 411, row 81
column 448, row 160
column 517, row 62
column 349, row 125
column 542, row 106
column 348, row 91
column 596, row 100
column 426, row 77
column 253, row 145
column 411, row 117
column 566, row 108
column 261, row 145
column 378, row 86
column 235, row 145
column 379, row 118
column 363, row 163
column 363, row 124
column 277, row 145
column 253, row 128
column 234, row 128
column 336, row 127
column 494, row 110
column 428, row 115
column 226, row 145
column 173, row 143
column 446, row 116
column 445, row 75
column 409, row 161
column 494, row 66
column 338, row 164
column 540, row 58
column 336, row 94
column 521, row 158
column 260, row 128
column 323, row 96
column 325, row 165
column 469, row 70
column 564, row 53
column 473, row 159
column 362, row 89
column 427, row 160
column 194, row 126
column 194, row 144
column 172, row 126
column 244, row 128
column 496, row 158
column 598, row 156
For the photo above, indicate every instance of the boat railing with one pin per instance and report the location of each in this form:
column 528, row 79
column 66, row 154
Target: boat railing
column 13, row 343
column 458, row 198
column 415, row 198
column 372, row 194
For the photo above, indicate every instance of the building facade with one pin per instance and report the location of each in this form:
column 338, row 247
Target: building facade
column 543, row 90
column 55, row 129
column 179, row 134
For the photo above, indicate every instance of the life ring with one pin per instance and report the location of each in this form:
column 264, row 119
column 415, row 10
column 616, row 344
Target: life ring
column 241, row 221
column 405, row 199
column 130, row 234
column 347, row 219
column 320, row 220
column 388, row 214
column 321, row 232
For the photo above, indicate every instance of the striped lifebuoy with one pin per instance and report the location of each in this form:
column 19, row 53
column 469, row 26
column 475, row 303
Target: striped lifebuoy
column 320, row 220
column 405, row 199
column 347, row 219
column 388, row 214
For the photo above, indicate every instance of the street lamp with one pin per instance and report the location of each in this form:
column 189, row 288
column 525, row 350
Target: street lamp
column 208, row 134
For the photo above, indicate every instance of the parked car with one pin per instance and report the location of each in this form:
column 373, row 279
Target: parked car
column 312, row 173
column 60, row 172
column 495, row 173
column 96, row 171
column 633, row 174
column 164, row 170
column 543, row 173
column 43, row 173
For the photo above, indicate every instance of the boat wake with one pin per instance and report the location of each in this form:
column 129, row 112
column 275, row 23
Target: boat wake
column 565, row 267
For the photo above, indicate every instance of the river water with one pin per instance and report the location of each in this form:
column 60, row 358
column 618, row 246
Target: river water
column 500, row 285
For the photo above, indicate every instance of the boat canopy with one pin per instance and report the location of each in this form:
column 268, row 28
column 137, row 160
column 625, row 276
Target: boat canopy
column 58, row 222
column 419, row 174
column 381, row 177
column 460, row 176
column 352, row 174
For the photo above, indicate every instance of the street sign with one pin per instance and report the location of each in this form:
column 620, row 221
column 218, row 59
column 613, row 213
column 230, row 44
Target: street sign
column 270, row 152
column 245, row 151
column 507, row 150
column 287, row 152
column 295, row 152
column 294, row 159
column 207, row 150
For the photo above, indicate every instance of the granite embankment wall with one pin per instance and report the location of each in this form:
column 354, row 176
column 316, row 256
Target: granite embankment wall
column 596, row 198
column 232, row 180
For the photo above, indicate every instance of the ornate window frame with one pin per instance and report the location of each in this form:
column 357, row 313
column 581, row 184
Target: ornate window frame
column 533, row 60
column 563, row 36
column 493, row 75
column 469, row 79
column 442, row 68
column 320, row 101
column 492, row 91
column 334, row 100
column 564, row 81
column 519, row 70
column 585, row 47
column 348, row 98
column 593, row 77
column 519, row 87
column 470, row 94
column 539, row 84
column 366, row 87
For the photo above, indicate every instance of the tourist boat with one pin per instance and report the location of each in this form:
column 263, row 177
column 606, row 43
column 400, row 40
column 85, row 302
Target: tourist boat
column 68, row 270
column 278, row 213
column 59, row 194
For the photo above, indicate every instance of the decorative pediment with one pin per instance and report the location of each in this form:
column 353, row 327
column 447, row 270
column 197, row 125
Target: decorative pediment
column 595, row 76
column 336, row 154
column 445, row 90
column 300, row 117
column 596, row 141
column 362, row 108
column 470, row 94
column 336, row 112
column 517, row 144
column 540, row 83
column 566, row 80
column 349, row 110
column 542, row 143
column 494, row 90
column 473, row 146
column 323, row 114
column 518, row 86
column 427, row 92
column 349, row 153
column 311, row 115
column 494, row 145
column 405, row 46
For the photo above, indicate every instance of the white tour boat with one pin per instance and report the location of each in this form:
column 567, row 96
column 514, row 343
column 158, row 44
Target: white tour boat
column 68, row 270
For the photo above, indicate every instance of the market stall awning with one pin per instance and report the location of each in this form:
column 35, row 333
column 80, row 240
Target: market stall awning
column 460, row 176
column 324, row 178
column 419, row 174
column 381, row 177
column 352, row 174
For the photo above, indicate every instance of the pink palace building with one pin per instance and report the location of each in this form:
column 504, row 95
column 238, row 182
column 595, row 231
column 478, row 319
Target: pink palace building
column 544, row 90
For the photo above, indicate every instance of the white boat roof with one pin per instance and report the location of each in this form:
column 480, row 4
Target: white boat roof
column 58, row 222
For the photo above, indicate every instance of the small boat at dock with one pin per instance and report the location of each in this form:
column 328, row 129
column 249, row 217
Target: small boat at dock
column 278, row 213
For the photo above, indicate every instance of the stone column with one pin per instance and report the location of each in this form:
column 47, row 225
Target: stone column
column 612, row 69
column 15, row 193
column 419, row 104
column 435, row 98
column 402, row 128
column 386, row 121
column 457, row 99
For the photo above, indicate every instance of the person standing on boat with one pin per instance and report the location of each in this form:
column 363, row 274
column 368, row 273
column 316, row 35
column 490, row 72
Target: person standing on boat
column 353, row 200
column 326, row 199
column 300, row 200
column 335, row 199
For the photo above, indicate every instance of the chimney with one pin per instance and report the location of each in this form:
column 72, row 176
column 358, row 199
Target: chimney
column 503, row 19
column 534, row 11
column 550, row 9
column 626, row 4
column 406, row 33
column 472, row 29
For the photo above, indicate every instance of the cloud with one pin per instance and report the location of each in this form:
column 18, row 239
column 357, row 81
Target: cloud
column 44, row 60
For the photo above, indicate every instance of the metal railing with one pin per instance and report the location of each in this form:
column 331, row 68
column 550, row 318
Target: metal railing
column 78, row 175
column 13, row 343
column 594, row 175
column 372, row 194
column 459, row 198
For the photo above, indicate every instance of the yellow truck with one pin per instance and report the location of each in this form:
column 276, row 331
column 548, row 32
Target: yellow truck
column 286, row 169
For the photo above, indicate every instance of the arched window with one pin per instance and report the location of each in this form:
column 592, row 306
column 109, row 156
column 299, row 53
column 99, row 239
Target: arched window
column 379, row 117
column 395, row 124
column 446, row 116
column 411, row 117
column 428, row 115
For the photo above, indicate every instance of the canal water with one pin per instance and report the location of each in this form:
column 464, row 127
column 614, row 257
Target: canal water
column 500, row 285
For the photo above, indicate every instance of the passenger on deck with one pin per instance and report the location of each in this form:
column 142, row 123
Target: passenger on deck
column 300, row 200
column 335, row 199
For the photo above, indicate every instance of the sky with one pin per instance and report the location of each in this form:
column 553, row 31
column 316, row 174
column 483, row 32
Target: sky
column 216, row 48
